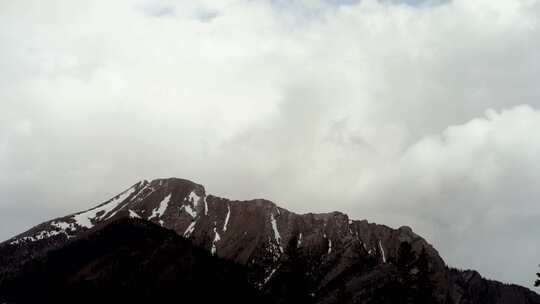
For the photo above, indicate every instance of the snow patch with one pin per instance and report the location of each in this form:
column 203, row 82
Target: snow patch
column 44, row 234
column 64, row 226
column 269, row 276
column 369, row 250
column 227, row 218
column 190, row 229
column 277, row 236
column 382, row 252
column 193, row 197
column 217, row 238
column 161, row 208
column 329, row 246
column 190, row 211
column 205, row 206
column 299, row 243
column 83, row 219
column 133, row 214
column 138, row 197
column 39, row 236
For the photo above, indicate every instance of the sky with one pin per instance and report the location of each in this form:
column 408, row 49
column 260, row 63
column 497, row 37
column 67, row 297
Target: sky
column 417, row 113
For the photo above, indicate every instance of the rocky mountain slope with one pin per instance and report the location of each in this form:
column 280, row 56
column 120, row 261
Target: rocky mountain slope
column 309, row 258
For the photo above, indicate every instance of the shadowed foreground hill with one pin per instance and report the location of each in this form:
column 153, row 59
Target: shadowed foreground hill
column 129, row 260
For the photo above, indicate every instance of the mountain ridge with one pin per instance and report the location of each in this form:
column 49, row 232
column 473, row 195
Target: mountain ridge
column 269, row 240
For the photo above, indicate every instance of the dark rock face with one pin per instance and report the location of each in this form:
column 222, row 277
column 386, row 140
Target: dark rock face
column 309, row 258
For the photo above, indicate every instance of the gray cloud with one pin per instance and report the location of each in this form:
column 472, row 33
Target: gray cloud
column 422, row 115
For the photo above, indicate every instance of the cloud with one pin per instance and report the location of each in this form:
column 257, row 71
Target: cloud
column 160, row 10
column 374, row 108
column 472, row 189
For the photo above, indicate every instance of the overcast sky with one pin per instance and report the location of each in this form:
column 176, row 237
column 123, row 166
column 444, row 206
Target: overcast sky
column 418, row 113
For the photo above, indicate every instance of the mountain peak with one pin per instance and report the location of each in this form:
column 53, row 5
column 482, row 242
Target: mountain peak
column 172, row 182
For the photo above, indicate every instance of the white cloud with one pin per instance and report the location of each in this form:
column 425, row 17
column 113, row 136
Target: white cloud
column 472, row 190
column 371, row 108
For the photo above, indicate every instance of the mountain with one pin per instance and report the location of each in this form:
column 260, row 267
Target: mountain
column 287, row 257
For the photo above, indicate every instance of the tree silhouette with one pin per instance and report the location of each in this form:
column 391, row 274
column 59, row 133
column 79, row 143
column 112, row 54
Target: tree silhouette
column 293, row 282
column 411, row 281
column 424, row 287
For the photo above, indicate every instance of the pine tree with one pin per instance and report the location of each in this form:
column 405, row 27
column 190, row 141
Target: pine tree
column 294, row 283
column 406, row 256
column 405, row 264
column 424, row 287
column 343, row 296
column 411, row 283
